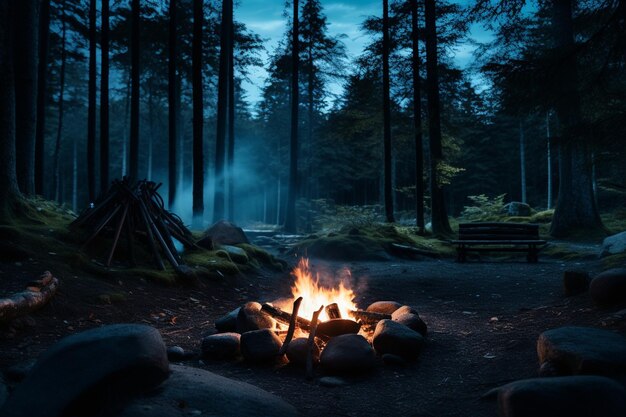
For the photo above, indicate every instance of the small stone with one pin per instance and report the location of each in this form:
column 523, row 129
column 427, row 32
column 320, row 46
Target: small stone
column 175, row 353
column 413, row 322
column 297, row 351
column 260, row 345
column 609, row 287
column 614, row 244
column 571, row 396
column 348, row 353
column 251, row 318
column 384, row 307
column 332, row 381
column 221, row 345
column 575, row 282
column 228, row 322
column 337, row 327
column 393, row 337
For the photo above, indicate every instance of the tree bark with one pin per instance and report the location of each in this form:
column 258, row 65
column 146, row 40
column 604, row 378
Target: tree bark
column 222, row 111
column 172, row 108
column 522, row 159
column 417, row 122
column 198, row 119
column 388, row 187
column 576, row 206
column 26, row 30
column 291, row 217
column 8, row 180
column 439, row 216
column 91, row 111
column 549, row 158
column 42, row 76
column 57, row 144
column 104, row 99
column 133, row 165
column 231, row 122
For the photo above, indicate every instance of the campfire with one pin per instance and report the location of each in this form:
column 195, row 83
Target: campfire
column 319, row 323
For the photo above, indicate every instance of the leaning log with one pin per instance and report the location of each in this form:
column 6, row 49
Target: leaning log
column 36, row 295
column 311, row 344
column 292, row 326
column 369, row 317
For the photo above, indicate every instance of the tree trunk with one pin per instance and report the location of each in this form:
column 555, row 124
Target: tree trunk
column 231, row 122
column 150, row 128
column 439, row 216
column 75, row 175
column 222, row 111
column 198, row 120
column 292, row 195
column 8, row 181
column 104, row 99
column 57, row 144
column 133, row 165
column 576, row 206
column 25, row 74
column 549, row 158
column 417, row 122
column 388, row 187
column 91, row 111
column 172, row 108
column 522, row 159
column 40, row 133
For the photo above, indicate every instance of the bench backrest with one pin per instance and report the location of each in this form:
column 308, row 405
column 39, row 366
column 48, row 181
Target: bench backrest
column 498, row 231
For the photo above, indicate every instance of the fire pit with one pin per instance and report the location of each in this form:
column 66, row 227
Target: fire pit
column 320, row 324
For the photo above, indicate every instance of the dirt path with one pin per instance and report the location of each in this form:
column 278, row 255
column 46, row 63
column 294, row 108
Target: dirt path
column 483, row 318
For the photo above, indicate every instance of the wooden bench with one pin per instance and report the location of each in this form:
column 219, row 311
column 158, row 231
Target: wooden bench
column 499, row 237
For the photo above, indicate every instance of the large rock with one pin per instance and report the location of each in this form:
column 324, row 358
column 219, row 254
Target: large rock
column 225, row 233
column 260, row 345
column 251, row 318
column 337, row 327
column 397, row 339
column 384, row 307
column 221, row 346
column 94, row 370
column 191, row 391
column 614, row 245
column 609, row 287
column 403, row 310
column 348, row 353
column 236, row 254
column 298, row 349
column 4, row 392
column 413, row 322
column 575, row 282
column 517, row 209
column 228, row 322
column 572, row 396
column 583, row 350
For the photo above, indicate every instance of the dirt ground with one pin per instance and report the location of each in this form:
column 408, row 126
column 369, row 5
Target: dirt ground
column 483, row 317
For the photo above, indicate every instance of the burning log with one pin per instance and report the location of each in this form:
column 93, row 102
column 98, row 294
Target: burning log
column 284, row 317
column 311, row 343
column 136, row 208
column 332, row 310
column 36, row 295
column 292, row 325
column 369, row 317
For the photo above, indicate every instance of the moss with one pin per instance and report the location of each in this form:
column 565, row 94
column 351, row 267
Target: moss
column 542, row 216
column 566, row 253
column 615, row 221
column 263, row 257
column 211, row 260
column 614, row 261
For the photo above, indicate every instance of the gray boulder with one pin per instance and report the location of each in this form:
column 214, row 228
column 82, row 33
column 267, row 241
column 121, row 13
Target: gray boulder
column 614, row 245
column 575, row 282
column 384, row 307
column 403, row 310
column 413, row 322
column 346, row 354
column 572, row 396
column 225, row 233
column 583, row 350
column 228, row 322
column 609, row 287
column 260, row 345
column 221, row 346
column 93, row 370
column 397, row 339
column 235, row 253
column 517, row 209
column 297, row 351
column 191, row 391
column 251, row 318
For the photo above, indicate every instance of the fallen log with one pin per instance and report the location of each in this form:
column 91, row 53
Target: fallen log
column 36, row 295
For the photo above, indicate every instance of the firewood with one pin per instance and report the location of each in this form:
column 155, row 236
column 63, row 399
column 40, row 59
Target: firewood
column 311, row 343
column 332, row 310
column 284, row 317
column 292, row 325
column 27, row 301
column 369, row 317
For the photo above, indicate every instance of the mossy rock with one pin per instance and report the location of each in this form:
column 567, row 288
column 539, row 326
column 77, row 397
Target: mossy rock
column 344, row 248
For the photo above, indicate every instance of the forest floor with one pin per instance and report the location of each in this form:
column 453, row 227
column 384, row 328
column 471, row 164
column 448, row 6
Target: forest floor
column 484, row 318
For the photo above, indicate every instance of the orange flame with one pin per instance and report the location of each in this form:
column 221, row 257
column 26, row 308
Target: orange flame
column 314, row 295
